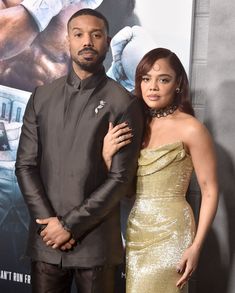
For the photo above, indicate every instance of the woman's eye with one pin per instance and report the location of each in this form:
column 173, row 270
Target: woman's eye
column 145, row 78
column 163, row 80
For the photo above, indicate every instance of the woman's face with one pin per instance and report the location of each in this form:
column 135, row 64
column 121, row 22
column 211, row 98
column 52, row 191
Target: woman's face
column 158, row 85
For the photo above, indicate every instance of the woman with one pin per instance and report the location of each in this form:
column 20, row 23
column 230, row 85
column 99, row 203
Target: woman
column 163, row 245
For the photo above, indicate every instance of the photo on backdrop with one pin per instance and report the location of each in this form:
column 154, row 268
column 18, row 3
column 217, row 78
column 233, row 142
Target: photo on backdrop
column 33, row 52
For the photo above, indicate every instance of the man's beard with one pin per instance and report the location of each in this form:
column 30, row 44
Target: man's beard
column 91, row 66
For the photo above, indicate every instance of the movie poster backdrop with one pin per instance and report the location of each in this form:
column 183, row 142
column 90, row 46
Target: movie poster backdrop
column 29, row 59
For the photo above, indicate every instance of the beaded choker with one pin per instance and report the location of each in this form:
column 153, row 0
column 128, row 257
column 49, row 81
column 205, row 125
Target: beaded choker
column 162, row 112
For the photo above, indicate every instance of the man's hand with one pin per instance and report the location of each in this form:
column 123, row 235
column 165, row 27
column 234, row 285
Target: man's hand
column 54, row 234
column 68, row 245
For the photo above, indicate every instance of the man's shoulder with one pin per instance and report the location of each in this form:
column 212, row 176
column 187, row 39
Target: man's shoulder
column 117, row 91
column 116, row 85
column 120, row 99
column 45, row 93
column 53, row 84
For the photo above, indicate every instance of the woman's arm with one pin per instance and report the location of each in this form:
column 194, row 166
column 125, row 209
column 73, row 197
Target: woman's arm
column 204, row 161
column 116, row 138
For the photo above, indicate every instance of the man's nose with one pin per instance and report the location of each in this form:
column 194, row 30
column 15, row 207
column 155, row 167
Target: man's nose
column 87, row 41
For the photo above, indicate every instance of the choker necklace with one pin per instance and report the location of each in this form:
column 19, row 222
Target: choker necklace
column 162, row 112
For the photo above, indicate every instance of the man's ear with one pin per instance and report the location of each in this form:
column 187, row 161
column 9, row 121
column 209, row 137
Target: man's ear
column 108, row 40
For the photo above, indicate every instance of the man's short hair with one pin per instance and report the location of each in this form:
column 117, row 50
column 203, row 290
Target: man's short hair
column 89, row 11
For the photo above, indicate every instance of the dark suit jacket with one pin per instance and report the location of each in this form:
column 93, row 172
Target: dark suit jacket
column 60, row 169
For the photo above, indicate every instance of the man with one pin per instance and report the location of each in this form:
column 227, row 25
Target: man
column 60, row 169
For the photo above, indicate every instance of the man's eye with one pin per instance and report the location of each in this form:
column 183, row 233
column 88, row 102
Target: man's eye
column 97, row 36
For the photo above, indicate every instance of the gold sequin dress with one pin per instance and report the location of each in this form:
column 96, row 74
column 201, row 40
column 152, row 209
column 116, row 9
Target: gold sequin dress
column 161, row 224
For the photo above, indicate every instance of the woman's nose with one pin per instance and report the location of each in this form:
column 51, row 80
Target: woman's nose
column 154, row 86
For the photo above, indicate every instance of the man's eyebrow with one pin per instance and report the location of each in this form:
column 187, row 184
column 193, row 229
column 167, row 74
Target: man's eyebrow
column 93, row 30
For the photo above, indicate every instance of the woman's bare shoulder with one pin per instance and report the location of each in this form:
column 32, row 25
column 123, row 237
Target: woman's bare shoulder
column 190, row 123
column 192, row 129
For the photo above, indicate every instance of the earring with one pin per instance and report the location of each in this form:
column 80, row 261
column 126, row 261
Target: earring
column 177, row 90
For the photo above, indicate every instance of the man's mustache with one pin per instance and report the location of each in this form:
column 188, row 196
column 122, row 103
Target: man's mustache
column 87, row 50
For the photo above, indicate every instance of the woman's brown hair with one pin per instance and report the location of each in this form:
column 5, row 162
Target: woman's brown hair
column 182, row 98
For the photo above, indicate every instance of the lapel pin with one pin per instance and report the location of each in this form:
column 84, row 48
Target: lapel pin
column 100, row 106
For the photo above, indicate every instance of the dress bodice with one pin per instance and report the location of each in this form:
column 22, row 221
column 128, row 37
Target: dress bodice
column 164, row 171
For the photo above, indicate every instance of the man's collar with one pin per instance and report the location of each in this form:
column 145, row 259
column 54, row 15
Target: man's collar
column 87, row 83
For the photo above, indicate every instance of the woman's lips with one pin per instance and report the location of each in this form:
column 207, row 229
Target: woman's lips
column 153, row 97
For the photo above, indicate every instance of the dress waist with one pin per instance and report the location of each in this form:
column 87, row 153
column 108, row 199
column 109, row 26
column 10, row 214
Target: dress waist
column 161, row 196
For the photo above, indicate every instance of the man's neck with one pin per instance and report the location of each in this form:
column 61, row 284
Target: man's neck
column 83, row 74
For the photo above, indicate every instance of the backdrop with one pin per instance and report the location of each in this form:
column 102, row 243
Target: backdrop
column 217, row 264
column 28, row 60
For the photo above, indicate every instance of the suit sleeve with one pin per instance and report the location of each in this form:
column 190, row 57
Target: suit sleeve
column 100, row 203
column 27, row 166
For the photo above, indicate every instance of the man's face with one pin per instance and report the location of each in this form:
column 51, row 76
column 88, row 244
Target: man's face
column 88, row 42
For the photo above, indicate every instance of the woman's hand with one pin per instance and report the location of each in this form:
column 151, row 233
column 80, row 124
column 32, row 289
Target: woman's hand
column 116, row 138
column 187, row 265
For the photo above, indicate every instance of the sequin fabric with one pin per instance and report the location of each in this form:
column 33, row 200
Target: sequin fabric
column 161, row 224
